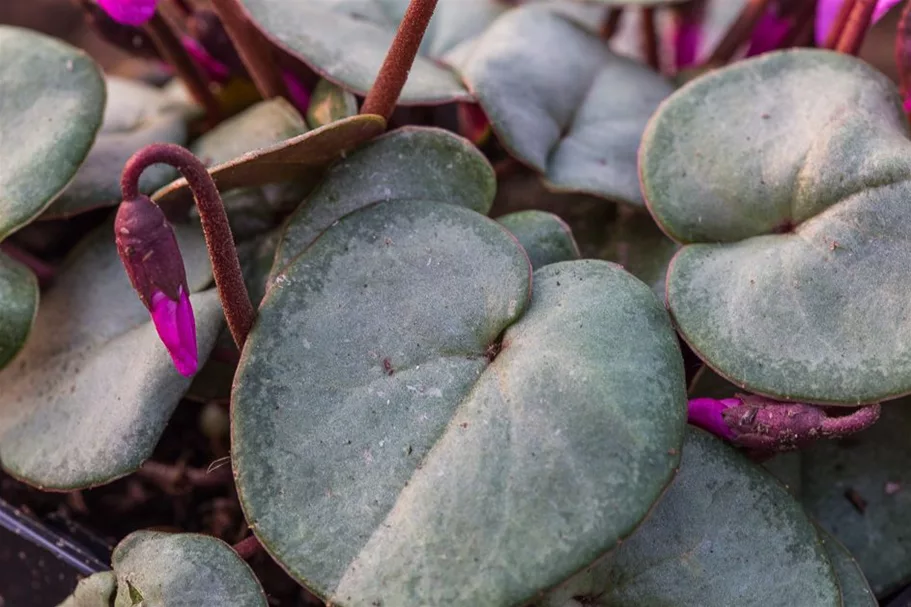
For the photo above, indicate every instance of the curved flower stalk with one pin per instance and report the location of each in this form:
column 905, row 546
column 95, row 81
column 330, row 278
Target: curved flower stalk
column 766, row 425
column 832, row 15
column 151, row 257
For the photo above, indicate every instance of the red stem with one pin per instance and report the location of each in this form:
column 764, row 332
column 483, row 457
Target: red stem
column 42, row 270
column 838, row 27
column 739, row 32
column 856, row 29
column 248, row 547
column 611, row 23
column 384, row 94
column 650, row 39
column 219, row 240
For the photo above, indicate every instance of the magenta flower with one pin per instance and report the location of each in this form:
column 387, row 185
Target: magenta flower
column 769, row 33
column 766, row 425
column 827, row 11
column 214, row 69
column 149, row 252
column 299, row 94
column 129, row 12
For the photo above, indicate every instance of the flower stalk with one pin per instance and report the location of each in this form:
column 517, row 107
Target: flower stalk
column 382, row 97
column 168, row 278
column 739, row 32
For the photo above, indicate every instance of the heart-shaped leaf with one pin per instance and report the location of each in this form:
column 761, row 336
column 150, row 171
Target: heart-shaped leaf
column 725, row 533
column 254, row 210
column 859, row 489
column 18, row 305
column 372, row 435
column 302, row 158
column 90, row 393
column 169, row 569
column 545, row 237
column 328, row 103
column 346, row 42
column 577, row 115
column 97, row 590
column 136, row 115
column 50, row 110
column 855, row 591
column 794, row 279
column 412, row 163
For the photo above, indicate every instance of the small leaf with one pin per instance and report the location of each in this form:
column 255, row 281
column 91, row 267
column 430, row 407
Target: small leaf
column 545, row 237
column 411, row 163
column 329, row 103
column 725, row 533
column 163, row 569
column 135, row 116
column 303, row 158
column 577, row 115
column 347, row 42
column 794, row 280
column 18, row 306
column 50, row 110
column 93, row 388
column 366, row 403
column 97, row 590
column 871, row 471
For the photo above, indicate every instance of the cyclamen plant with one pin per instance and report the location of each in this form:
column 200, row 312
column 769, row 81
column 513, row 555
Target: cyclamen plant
column 695, row 282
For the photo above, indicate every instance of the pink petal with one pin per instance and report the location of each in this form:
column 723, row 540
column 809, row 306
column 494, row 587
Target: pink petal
column 177, row 330
column 300, row 96
column 686, row 43
column 705, row 413
column 827, row 11
column 768, row 35
column 214, row 69
column 129, row 12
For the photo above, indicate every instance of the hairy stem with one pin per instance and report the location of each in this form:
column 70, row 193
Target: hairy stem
column 254, row 50
column 219, row 240
column 172, row 51
column 42, row 270
column 384, row 94
column 248, row 547
column 739, row 32
column 856, row 28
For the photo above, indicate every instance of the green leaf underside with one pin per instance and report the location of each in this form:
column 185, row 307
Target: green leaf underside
column 725, row 533
column 97, row 590
column 90, row 393
column 328, row 103
column 530, row 461
column 302, row 158
column 880, row 537
column 545, row 237
column 411, row 163
column 855, row 592
column 18, row 304
column 50, row 110
column 813, row 143
column 136, row 115
column 168, row 569
column 347, row 42
column 578, row 115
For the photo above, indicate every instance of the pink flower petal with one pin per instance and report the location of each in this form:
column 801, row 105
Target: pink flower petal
column 214, row 69
column 129, row 12
column 705, row 413
column 686, row 43
column 827, row 11
column 769, row 34
column 300, row 96
column 177, row 329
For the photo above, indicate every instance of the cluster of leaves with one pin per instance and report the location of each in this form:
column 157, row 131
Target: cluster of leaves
column 438, row 408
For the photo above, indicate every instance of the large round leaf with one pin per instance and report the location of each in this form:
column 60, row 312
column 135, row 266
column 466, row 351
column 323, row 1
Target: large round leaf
column 167, row 570
column 411, row 163
column 97, row 590
column 50, row 109
column 787, row 176
column 725, row 533
column 381, row 457
column 135, row 116
column 346, row 42
column 90, row 393
column 545, row 237
column 859, row 489
column 18, row 305
column 855, row 591
column 576, row 115
column 302, row 158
